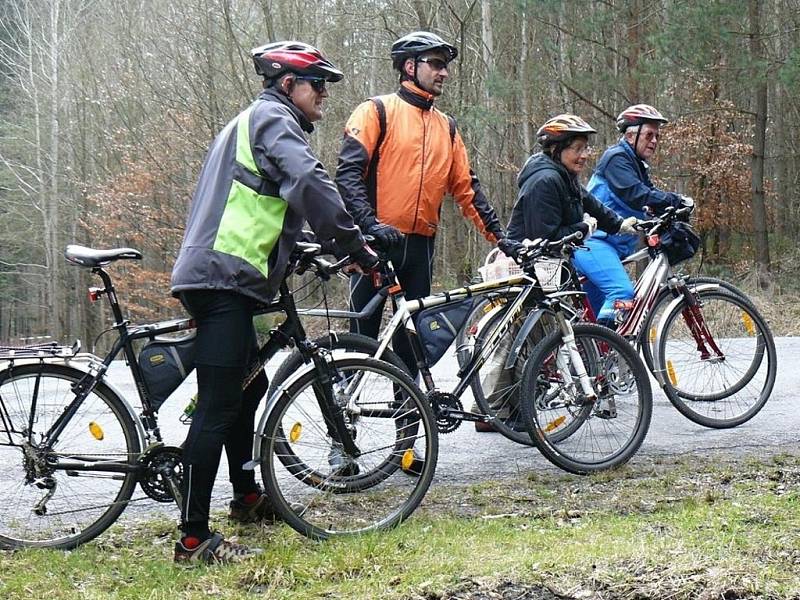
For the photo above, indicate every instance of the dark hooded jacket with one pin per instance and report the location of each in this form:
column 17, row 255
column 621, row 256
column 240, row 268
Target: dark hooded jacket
column 551, row 203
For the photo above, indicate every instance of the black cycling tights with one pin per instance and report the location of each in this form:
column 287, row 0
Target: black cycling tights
column 413, row 261
column 225, row 415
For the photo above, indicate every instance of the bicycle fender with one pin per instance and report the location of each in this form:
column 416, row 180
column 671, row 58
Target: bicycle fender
column 659, row 373
column 273, row 400
column 530, row 322
column 83, row 362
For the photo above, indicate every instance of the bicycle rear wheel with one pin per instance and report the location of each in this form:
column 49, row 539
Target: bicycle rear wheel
column 496, row 390
column 83, row 503
column 318, row 490
column 717, row 360
column 466, row 336
column 606, row 431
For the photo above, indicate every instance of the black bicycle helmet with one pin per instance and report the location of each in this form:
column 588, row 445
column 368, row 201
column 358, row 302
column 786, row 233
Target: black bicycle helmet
column 276, row 58
column 416, row 43
column 638, row 114
column 561, row 128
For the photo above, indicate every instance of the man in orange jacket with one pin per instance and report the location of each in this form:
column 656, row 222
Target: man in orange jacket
column 399, row 157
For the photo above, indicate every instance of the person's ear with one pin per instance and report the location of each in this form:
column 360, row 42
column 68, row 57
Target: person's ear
column 408, row 67
column 287, row 84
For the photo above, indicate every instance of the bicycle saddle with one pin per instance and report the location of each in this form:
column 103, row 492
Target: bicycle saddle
column 89, row 257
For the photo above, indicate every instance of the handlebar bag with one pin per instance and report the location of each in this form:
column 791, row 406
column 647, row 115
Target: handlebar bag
column 165, row 364
column 679, row 242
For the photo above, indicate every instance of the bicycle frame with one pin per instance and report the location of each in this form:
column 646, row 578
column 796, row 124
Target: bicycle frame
column 147, row 422
column 404, row 309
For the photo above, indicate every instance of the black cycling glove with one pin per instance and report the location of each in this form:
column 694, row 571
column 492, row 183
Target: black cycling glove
column 509, row 247
column 386, row 235
column 365, row 258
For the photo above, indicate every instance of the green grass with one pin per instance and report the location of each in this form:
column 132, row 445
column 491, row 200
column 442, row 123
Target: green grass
column 726, row 530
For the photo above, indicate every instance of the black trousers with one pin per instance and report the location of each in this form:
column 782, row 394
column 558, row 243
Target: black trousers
column 225, row 414
column 413, row 263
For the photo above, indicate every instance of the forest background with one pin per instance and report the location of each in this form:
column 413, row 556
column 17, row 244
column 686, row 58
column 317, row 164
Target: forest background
column 107, row 110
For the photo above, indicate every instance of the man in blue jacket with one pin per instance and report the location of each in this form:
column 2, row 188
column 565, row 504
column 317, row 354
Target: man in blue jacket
column 622, row 182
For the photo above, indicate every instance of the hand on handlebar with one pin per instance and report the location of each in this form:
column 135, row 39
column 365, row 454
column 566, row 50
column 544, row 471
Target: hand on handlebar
column 509, row 247
column 591, row 222
column 629, row 225
column 363, row 260
column 385, row 235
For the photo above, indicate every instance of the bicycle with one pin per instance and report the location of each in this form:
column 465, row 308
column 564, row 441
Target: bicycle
column 73, row 449
column 530, row 300
column 711, row 351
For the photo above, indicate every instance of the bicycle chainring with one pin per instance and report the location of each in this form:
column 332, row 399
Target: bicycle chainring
column 440, row 401
column 157, row 464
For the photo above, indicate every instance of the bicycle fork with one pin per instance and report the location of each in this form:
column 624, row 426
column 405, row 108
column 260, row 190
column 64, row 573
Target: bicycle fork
column 332, row 412
column 573, row 358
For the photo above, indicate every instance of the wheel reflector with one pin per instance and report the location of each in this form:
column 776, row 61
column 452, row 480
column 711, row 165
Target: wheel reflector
column 96, row 431
column 294, row 434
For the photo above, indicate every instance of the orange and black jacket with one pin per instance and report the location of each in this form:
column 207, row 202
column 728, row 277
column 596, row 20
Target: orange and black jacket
column 402, row 179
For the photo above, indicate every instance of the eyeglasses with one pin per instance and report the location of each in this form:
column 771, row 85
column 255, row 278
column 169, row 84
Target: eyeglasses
column 586, row 150
column 437, row 64
column 317, row 83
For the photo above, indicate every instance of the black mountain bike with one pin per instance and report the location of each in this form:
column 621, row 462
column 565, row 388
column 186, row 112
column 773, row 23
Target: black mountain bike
column 73, row 450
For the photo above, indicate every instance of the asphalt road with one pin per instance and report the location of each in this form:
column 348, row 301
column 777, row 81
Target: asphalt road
column 466, row 456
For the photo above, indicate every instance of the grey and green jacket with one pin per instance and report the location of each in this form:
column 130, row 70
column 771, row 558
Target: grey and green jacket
column 259, row 182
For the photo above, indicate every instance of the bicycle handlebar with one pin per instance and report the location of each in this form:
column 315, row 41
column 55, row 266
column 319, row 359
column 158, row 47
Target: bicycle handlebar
column 539, row 246
column 658, row 223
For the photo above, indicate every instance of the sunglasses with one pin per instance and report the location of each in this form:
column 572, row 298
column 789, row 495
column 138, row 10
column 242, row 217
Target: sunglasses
column 437, row 64
column 317, row 83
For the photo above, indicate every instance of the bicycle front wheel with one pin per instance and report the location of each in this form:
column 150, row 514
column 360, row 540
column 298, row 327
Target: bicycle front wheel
column 717, row 359
column 606, row 427
column 647, row 338
column 45, row 503
column 318, row 488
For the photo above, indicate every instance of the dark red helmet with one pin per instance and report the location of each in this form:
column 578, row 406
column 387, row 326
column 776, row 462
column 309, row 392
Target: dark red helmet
column 277, row 58
column 638, row 114
column 563, row 127
column 419, row 42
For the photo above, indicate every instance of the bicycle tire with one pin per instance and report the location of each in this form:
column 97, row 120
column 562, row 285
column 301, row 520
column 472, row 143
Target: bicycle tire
column 605, row 439
column 501, row 400
column 465, row 338
column 647, row 336
column 323, row 503
column 349, row 342
column 78, row 511
column 718, row 392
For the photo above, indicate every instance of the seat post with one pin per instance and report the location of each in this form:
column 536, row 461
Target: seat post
column 108, row 290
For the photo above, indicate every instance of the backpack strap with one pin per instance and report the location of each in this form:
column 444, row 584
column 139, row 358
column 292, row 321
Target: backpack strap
column 372, row 167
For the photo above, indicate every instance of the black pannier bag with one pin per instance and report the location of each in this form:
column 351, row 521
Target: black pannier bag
column 438, row 326
column 165, row 363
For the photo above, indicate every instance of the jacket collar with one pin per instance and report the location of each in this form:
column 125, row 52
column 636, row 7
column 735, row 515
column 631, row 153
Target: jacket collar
column 278, row 96
column 643, row 166
column 415, row 95
column 570, row 178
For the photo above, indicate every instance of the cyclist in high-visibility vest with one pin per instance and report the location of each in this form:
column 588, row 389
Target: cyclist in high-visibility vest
column 259, row 183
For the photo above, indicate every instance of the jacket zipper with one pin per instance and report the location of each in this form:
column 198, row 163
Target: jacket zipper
column 421, row 170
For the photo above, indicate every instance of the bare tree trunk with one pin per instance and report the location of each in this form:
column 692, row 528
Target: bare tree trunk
column 55, row 288
column 760, row 238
